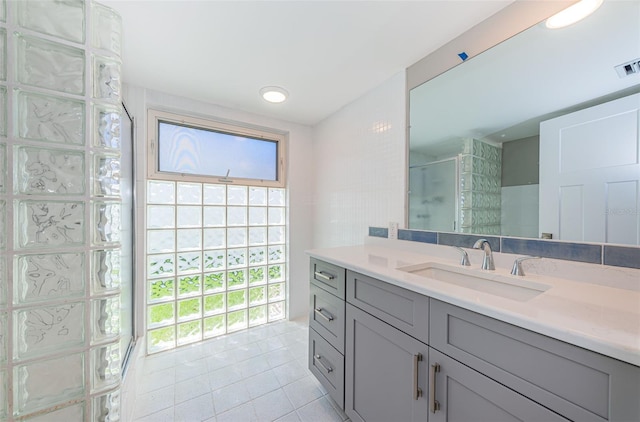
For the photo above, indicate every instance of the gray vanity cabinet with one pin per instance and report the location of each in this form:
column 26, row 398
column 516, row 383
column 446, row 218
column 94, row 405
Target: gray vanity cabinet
column 465, row 395
column 384, row 371
column 408, row 357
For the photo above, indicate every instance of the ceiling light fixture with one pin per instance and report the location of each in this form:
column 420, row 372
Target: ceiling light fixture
column 274, row 94
column 573, row 14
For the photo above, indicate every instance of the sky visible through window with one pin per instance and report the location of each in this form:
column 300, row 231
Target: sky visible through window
column 183, row 149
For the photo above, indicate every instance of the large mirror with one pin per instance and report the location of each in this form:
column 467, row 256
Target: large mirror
column 536, row 137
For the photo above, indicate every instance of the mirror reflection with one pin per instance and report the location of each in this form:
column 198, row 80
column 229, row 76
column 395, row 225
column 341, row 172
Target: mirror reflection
column 536, row 137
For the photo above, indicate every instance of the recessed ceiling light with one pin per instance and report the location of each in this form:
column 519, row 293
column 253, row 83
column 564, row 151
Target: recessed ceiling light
column 274, row 94
column 573, row 14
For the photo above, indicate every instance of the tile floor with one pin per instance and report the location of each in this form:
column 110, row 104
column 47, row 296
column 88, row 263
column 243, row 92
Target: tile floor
column 255, row 375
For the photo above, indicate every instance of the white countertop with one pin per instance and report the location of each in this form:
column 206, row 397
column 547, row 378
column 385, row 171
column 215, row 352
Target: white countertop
column 592, row 306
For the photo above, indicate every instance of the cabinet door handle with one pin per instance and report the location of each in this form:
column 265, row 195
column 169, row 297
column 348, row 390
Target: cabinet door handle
column 417, row 391
column 321, row 312
column 326, row 368
column 434, row 406
column 320, row 274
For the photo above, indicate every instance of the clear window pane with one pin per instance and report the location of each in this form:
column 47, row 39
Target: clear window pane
column 199, row 151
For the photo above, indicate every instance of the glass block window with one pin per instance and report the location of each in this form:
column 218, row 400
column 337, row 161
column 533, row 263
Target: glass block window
column 216, row 260
column 190, row 149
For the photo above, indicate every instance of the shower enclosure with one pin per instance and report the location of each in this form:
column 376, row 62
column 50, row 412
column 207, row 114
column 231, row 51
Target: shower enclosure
column 433, row 195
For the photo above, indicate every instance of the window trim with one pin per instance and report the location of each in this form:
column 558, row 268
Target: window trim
column 154, row 117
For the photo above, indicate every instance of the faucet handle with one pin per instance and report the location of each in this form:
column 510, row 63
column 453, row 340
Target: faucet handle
column 517, row 265
column 464, row 258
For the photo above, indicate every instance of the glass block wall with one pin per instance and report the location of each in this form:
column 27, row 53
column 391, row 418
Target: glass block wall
column 216, row 260
column 59, row 211
column 480, row 186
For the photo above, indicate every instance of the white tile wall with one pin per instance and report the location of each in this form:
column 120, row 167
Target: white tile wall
column 359, row 158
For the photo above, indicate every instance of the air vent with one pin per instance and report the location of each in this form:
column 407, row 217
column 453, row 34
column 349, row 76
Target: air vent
column 629, row 68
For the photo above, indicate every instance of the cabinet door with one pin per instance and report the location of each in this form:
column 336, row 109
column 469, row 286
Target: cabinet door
column 385, row 371
column 463, row 394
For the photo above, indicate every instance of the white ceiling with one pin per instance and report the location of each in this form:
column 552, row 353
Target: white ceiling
column 325, row 53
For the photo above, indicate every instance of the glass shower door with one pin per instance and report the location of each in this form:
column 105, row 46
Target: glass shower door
column 433, row 196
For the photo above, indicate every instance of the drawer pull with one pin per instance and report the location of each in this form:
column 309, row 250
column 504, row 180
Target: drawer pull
column 327, row 277
column 417, row 391
column 326, row 368
column 321, row 312
column 434, row 405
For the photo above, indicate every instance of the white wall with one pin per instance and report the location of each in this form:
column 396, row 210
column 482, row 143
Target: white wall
column 360, row 166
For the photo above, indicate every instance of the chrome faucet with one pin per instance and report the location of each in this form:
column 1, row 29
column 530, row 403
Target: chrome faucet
column 517, row 264
column 464, row 257
column 487, row 261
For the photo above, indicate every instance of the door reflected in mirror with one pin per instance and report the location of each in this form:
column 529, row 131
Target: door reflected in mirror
column 479, row 163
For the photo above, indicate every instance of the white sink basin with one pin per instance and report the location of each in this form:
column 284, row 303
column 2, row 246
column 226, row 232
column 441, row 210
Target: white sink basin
column 511, row 287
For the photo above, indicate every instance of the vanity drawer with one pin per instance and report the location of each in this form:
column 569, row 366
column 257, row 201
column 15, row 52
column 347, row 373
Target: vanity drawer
column 328, row 277
column 327, row 364
column 574, row 382
column 326, row 316
column 405, row 310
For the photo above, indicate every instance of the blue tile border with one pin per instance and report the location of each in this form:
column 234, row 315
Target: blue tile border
column 467, row 240
column 418, row 236
column 378, row 232
column 593, row 253
column 621, row 256
column 580, row 252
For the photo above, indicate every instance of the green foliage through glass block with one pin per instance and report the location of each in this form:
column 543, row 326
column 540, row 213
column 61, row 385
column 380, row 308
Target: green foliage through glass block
column 189, row 285
column 213, row 282
column 189, row 308
column 214, row 326
column 257, row 295
column 161, row 289
column 188, row 262
column 275, row 272
column 189, row 332
column 236, row 278
column 256, row 275
column 237, row 320
column 213, row 260
column 258, row 315
column 214, row 303
column 160, row 264
column 161, row 314
column 237, row 299
column 161, row 339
